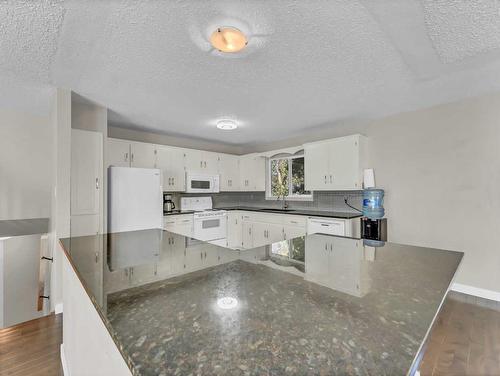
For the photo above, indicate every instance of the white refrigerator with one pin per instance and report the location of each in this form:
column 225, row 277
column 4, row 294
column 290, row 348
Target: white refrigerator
column 135, row 203
column 135, row 199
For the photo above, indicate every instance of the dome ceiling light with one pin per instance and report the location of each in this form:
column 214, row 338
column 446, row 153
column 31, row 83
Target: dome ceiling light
column 228, row 39
column 227, row 124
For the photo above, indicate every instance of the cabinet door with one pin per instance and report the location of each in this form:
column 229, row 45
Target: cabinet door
column 234, row 230
column 118, row 153
column 193, row 160
column 171, row 163
column 142, row 155
column 344, row 164
column 291, row 232
column 316, row 169
column 317, row 258
column 246, row 166
column 274, row 233
column 247, row 236
column 260, row 234
column 229, row 172
column 210, row 162
column 258, row 181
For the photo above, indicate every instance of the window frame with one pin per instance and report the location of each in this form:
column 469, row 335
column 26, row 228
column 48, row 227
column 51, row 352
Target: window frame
column 290, row 197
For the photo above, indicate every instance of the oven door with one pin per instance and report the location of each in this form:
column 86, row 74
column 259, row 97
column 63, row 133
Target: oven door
column 211, row 228
column 199, row 184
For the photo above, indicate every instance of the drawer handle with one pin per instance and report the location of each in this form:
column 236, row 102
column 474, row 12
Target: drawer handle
column 294, row 222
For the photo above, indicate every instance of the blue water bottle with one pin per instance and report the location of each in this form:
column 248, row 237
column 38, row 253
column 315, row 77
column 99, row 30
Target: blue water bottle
column 373, row 203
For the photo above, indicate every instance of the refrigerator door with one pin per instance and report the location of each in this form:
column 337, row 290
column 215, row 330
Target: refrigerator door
column 135, row 199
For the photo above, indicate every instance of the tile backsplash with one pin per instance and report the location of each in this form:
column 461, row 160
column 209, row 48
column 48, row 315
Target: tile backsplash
column 325, row 200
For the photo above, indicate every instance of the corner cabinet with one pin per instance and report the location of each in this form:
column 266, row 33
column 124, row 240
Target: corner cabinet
column 336, row 164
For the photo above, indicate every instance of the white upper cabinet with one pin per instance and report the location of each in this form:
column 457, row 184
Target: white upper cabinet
column 122, row 153
column 142, row 155
column 335, row 164
column 171, row 163
column 252, row 173
column 118, row 153
column 200, row 161
column 229, row 171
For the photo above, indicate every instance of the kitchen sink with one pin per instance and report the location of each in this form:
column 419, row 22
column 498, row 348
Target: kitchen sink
column 277, row 210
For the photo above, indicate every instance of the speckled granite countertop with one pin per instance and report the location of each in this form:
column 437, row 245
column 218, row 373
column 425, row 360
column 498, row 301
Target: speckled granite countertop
column 306, row 212
column 315, row 305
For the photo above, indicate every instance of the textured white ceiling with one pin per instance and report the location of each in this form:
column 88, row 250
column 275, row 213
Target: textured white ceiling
column 308, row 63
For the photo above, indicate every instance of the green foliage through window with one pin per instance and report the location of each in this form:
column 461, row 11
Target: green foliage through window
column 287, row 177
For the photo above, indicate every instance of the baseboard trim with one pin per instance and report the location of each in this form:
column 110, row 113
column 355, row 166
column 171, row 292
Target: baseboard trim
column 58, row 308
column 63, row 362
column 476, row 291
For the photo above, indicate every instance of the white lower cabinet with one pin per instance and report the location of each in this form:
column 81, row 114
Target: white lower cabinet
column 234, row 229
column 259, row 229
column 181, row 224
column 337, row 263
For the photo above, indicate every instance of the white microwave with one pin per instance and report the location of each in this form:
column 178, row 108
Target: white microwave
column 200, row 183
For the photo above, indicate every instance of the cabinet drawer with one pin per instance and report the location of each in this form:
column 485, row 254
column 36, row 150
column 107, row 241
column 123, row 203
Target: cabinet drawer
column 294, row 220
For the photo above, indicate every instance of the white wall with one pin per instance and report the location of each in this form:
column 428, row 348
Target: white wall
column 440, row 168
column 441, row 171
column 25, row 165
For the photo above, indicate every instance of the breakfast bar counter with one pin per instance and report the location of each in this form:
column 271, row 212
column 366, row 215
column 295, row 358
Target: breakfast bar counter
column 316, row 304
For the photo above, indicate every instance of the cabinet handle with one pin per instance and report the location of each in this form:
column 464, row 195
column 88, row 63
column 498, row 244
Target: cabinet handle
column 173, row 181
column 331, row 247
column 201, row 163
column 96, row 183
column 132, row 157
column 293, row 222
column 249, row 231
column 331, row 179
column 325, row 179
column 201, row 255
column 126, row 157
column 169, row 180
column 326, row 247
column 205, row 164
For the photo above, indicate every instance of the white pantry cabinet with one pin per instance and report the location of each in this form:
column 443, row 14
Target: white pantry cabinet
column 229, row 170
column 335, row 164
column 252, row 173
column 170, row 161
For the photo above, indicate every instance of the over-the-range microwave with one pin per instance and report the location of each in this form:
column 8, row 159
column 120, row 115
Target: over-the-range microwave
column 201, row 183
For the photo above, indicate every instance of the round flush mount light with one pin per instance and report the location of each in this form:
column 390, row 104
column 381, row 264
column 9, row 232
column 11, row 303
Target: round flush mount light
column 227, row 302
column 228, row 39
column 227, row 124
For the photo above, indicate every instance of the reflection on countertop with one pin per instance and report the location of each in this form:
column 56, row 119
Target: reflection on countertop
column 317, row 303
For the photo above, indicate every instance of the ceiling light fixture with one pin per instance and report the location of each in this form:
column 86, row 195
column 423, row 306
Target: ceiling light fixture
column 227, row 125
column 228, row 39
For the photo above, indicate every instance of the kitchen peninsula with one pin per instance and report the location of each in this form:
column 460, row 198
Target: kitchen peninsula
column 316, row 303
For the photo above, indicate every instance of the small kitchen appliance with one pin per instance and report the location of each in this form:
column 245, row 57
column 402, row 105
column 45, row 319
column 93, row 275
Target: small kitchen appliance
column 202, row 183
column 168, row 204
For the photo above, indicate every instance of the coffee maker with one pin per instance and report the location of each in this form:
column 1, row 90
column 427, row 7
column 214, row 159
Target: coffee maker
column 168, row 204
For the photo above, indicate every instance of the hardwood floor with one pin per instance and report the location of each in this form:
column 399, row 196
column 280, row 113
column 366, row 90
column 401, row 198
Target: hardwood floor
column 32, row 348
column 464, row 341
